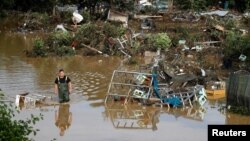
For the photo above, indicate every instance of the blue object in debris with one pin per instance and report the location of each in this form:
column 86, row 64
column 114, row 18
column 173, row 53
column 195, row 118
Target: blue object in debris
column 155, row 85
column 174, row 101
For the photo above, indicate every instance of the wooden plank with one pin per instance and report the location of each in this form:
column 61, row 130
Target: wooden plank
column 91, row 48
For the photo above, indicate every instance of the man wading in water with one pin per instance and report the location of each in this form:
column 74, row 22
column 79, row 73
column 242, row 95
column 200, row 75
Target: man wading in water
column 63, row 87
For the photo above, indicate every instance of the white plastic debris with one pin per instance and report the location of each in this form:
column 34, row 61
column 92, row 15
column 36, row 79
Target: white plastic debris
column 202, row 96
column 247, row 14
column 242, row 57
column 197, row 48
column 185, row 47
column 77, row 18
column 203, row 73
column 145, row 3
column 60, row 27
column 217, row 12
column 182, row 42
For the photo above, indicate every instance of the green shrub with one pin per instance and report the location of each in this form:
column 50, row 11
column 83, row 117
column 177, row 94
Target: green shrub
column 229, row 24
column 87, row 31
column 197, row 5
column 156, row 41
column 236, row 44
column 39, row 48
column 86, row 16
column 110, row 30
column 58, row 39
column 64, row 51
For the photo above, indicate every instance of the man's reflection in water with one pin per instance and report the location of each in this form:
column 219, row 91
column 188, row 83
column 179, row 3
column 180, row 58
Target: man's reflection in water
column 155, row 119
column 63, row 118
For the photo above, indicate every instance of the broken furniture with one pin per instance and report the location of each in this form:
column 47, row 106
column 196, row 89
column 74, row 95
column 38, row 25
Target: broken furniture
column 126, row 85
column 144, row 88
column 29, row 100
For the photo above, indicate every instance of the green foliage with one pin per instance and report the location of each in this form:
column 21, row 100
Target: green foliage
column 121, row 5
column 236, row 44
column 64, row 51
column 175, row 40
column 110, row 30
column 43, row 18
column 86, row 16
column 183, row 4
column 61, row 38
column 248, row 6
column 229, row 24
column 183, row 32
column 59, row 43
column 87, row 30
column 12, row 129
column 39, row 48
column 195, row 37
column 197, row 5
column 159, row 40
column 66, row 16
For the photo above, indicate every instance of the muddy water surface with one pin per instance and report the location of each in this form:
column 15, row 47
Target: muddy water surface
column 86, row 117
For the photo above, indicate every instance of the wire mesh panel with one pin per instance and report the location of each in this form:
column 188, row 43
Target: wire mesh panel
column 125, row 84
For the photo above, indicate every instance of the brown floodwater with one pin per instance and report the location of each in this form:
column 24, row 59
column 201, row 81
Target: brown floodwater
column 86, row 117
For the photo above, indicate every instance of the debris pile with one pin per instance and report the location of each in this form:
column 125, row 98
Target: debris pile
column 147, row 89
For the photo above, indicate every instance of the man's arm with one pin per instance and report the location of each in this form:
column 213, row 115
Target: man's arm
column 56, row 89
column 70, row 87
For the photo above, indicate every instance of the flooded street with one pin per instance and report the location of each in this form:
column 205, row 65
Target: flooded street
column 89, row 118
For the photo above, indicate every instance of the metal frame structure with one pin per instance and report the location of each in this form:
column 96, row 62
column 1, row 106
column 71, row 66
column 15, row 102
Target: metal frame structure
column 127, row 85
